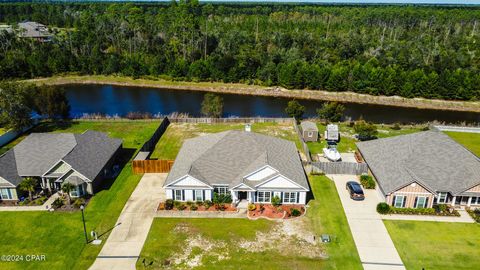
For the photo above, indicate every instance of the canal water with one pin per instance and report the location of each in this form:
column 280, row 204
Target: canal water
column 120, row 100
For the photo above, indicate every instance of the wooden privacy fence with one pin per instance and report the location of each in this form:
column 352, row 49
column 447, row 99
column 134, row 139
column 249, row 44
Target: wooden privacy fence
column 151, row 166
column 306, row 150
column 339, row 168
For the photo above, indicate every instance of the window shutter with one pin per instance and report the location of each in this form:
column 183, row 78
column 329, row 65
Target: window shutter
column 183, row 194
column 203, row 195
column 297, row 194
column 393, row 200
column 426, row 202
column 415, row 203
column 404, row 201
column 173, row 194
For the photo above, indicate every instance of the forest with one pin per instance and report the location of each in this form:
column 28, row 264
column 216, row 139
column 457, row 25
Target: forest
column 409, row 51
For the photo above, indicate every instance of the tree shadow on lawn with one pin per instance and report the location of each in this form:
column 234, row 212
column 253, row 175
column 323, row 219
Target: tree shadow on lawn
column 50, row 126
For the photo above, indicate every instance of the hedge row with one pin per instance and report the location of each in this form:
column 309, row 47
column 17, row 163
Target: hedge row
column 438, row 210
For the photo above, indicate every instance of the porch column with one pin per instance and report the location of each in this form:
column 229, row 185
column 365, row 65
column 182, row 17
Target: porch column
column 48, row 185
column 469, row 201
column 43, row 182
column 453, row 200
column 234, row 196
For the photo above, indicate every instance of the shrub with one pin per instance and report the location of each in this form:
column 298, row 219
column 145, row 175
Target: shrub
column 40, row 200
column 383, row 208
column 366, row 131
column 413, row 211
column 252, row 207
column 181, row 207
column 207, row 204
column 57, row 203
column 262, row 208
column 295, row 212
column 189, row 203
column 199, row 203
column 396, row 126
column 177, row 204
column 194, row 207
column 441, row 208
column 367, row 181
column 276, row 201
column 78, row 202
column 169, row 204
column 221, row 198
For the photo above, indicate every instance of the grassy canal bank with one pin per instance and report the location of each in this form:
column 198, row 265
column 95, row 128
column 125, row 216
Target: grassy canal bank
column 255, row 90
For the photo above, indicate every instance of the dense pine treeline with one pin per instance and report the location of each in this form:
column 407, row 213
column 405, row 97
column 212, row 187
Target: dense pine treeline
column 430, row 52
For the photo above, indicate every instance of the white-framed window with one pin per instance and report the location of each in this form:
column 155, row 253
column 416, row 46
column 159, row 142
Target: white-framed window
column 399, row 201
column 421, row 202
column 475, row 200
column 178, row 195
column 221, row 190
column 290, row 197
column 442, row 197
column 198, row 195
column 263, row 196
column 5, row 194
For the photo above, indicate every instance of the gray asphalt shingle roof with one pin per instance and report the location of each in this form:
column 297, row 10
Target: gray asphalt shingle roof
column 93, row 150
column 431, row 158
column 87, row 153
column 8, row 169
column 307, row 125
column 227, row 157
column 38, row 152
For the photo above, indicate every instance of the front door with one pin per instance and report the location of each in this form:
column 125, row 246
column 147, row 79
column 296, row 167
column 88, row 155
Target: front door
column 242, row 195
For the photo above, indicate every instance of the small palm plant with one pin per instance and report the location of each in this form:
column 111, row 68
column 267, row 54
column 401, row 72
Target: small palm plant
column 28, row 184
column 66, row 188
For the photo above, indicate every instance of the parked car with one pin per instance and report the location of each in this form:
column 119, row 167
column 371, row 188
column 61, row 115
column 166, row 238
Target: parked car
column 355, row 190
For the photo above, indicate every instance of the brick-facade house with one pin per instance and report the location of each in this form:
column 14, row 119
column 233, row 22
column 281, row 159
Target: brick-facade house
column 422, row 169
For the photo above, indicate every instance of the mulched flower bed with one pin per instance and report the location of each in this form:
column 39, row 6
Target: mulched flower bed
column 273, row 212
column 226, row 207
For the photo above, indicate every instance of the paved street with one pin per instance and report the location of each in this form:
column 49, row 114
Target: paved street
column 126, row 240
column 374, row 245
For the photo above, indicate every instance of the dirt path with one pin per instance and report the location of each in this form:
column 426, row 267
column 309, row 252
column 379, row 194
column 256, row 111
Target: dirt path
column 242, row 89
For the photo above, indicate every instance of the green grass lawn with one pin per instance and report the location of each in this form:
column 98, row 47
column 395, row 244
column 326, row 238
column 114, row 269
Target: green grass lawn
column 347, row 139
column 176, row 134
column 326, row 215
column 59, row 235
column 471, row 141
column 436, row 245
column 169, row 238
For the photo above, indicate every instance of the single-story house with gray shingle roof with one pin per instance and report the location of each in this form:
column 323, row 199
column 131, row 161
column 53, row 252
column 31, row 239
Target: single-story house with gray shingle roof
column 423, row 169
column 83, row 160
column 246, row 165
column 309, row 131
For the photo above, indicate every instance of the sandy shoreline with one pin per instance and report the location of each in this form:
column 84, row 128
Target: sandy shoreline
column 243, row 89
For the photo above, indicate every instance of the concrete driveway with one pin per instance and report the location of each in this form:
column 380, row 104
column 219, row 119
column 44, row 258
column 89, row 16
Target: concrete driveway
column 126, row 240
column 374, row 245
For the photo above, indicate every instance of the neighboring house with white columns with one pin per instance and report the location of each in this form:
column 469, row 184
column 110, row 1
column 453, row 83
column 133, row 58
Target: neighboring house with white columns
column 246, row 165
column 422, row 169
column 83, row 160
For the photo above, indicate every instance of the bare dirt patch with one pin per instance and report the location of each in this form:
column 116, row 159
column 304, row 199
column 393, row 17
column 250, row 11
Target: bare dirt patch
column 287, row 237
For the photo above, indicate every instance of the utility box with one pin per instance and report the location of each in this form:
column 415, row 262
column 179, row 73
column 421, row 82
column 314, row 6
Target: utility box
column 332, row 133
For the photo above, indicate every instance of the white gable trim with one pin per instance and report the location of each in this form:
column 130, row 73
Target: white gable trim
column 242, row 186
column 58, row 162
column 259, row 170
column 6, row 181
column 72, row 169
column 283, row 176
column 185, row 176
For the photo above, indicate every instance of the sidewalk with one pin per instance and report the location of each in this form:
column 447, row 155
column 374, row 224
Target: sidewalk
column 463, row 218
column 42, row 207
column 124, row 245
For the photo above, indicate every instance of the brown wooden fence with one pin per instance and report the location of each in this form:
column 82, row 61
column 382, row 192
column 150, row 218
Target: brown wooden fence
column 151, row 166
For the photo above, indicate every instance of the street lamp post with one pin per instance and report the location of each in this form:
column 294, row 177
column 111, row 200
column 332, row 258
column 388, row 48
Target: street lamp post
column 84, row 226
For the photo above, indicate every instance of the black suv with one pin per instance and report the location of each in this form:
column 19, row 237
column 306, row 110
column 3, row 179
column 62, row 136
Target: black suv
column 355, row 190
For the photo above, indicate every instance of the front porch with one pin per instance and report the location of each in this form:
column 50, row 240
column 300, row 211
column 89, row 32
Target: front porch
column 54, row 185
